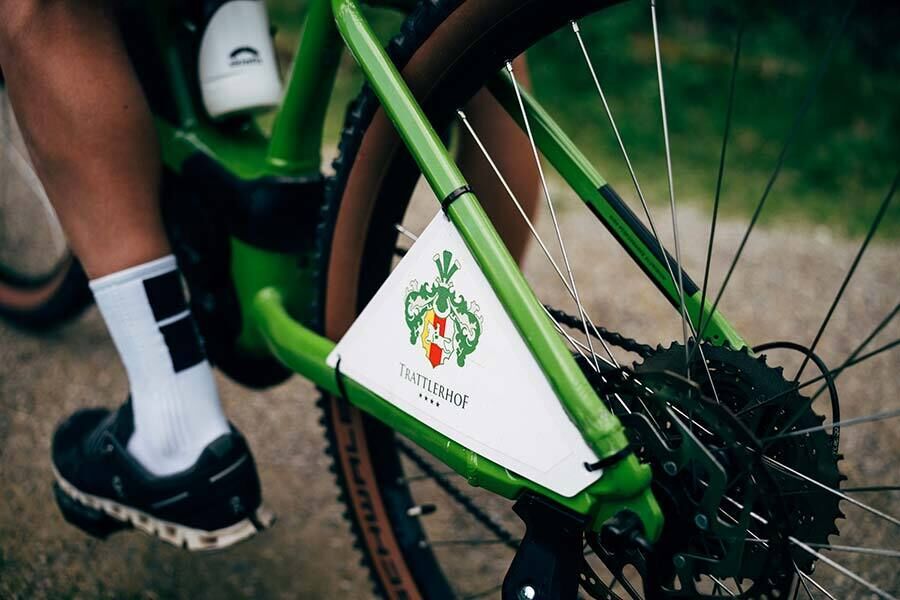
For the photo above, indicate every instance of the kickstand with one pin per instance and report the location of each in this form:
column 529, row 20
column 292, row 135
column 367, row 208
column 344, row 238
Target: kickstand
column 547, row 562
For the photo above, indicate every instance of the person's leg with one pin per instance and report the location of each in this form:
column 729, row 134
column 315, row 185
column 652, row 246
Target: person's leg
column 88, row 128
column 166, row 462
column 510, row 149
column 90, row 134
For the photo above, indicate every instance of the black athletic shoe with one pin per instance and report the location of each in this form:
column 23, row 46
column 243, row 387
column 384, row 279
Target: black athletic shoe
column 101, row 489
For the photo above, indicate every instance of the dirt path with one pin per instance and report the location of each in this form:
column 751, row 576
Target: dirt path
column 787, row 280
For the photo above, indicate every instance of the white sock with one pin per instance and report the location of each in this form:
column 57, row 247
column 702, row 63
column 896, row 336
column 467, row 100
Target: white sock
column 173, row 394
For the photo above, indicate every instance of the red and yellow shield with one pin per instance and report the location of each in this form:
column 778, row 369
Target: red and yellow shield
column 436, row 338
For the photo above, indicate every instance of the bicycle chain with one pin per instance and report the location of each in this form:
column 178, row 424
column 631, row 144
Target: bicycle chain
column 451, row 490
column 618, row 380
column 458, row 496
column 613, row 337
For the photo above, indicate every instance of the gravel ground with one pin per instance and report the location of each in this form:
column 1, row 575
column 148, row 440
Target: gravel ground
column 786, row 281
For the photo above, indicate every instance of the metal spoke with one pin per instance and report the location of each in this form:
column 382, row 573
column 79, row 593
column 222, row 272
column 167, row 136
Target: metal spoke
column 855, row 361
column 804, row 586
column 834, row 373
column 807, row 403
column 721, row 584
column 801, row 582
column 783, row 467
column 581, row 348
column 637, row 187
column 612, row 122
column 815, row 584
column 665, row 123
column 851, row 490
column 779, row 163
column 721, row 173
column 405, row 232
column 844, row 423
column 537, row 237
column 577, row 345
column 849, row 362
column 615, row 128
column 562, row 246
column 398, row 251
column 872, row 488
column 842, row 569
column 862, row 249
column 857, row 550
column 740, row 507
column 837, row 548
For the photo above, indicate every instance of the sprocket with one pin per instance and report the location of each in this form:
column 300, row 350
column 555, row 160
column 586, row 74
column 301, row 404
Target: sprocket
column 780, row 504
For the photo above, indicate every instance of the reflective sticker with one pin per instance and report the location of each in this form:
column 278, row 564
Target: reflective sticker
column 436, row 343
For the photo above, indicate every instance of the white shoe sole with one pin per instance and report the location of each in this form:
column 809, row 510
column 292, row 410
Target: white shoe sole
column 173, row 533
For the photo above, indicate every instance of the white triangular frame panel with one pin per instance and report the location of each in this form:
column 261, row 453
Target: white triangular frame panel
column 459, row 365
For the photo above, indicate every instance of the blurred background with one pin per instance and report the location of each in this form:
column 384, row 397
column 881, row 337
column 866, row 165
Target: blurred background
column 836, row 175
column 847, row 147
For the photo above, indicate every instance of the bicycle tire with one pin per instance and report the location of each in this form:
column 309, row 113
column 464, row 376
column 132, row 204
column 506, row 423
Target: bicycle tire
column 41, row 305
column 46, row 301
column 427, row 51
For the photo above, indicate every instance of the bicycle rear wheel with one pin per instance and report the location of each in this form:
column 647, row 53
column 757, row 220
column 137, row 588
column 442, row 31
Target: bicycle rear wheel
column 41, row 284
column 447, row 51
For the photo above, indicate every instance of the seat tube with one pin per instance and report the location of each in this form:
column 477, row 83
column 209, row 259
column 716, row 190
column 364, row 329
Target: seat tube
column 601, row 429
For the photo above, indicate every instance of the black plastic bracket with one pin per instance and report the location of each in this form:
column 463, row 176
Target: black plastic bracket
column 452, row 196
column 339, row 378
column 547, row 562
column 279, row 214
column 609, row 460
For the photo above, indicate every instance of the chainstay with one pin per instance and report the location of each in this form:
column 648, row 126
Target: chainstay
column 461, row 498
column 621, row 382
column 613, row 337
column 451, row 490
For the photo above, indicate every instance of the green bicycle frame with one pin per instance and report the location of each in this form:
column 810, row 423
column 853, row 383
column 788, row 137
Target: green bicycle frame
column 273, row 292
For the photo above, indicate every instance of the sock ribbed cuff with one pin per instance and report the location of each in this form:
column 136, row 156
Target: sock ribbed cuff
column 146, row 270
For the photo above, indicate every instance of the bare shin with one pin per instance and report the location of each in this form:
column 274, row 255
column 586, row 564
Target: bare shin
column 88, row 128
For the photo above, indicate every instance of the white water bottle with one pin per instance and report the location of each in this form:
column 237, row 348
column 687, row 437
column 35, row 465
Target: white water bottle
column 237, row 67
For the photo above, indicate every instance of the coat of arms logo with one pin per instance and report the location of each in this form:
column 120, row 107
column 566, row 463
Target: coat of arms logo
column 439, row 318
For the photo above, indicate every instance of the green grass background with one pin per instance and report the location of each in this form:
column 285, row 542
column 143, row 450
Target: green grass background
column 847, row 150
